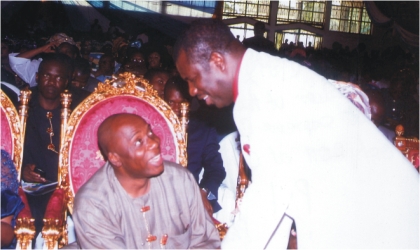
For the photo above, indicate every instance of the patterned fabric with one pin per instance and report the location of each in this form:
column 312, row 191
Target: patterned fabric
column 11, row 204
column 355, row 95
column 62, row 38
column 6, row 136
column 8, row 173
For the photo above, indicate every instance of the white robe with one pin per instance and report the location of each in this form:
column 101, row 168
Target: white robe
column 317, row 160
column 105, row 216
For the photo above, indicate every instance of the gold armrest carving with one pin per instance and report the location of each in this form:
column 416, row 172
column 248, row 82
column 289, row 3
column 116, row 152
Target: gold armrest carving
column 24, row 231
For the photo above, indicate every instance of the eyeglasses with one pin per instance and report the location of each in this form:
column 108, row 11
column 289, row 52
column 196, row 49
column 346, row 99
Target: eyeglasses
column 138, row 60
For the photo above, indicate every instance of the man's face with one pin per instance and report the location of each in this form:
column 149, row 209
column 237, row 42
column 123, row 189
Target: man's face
column 52, row 79
column 377, row 113
column 154, row 60
column 158, row 82
column 66, row 49
column 79, row 79
column 138, row 149
column 174, row 98
column 107, row 65
column 211, row 85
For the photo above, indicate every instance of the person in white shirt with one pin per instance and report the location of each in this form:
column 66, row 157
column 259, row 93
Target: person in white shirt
column 316, row 160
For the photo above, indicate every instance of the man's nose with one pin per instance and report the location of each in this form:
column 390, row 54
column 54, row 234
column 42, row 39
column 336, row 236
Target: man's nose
column 51, row 80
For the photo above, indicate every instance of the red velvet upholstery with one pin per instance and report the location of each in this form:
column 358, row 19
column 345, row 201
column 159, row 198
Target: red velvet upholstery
column 6, row 134
column 56, row 206
column 84, row 154
column 413, row 157
column 26, row 211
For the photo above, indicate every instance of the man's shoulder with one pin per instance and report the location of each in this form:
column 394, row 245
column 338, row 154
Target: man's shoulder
column 175, row 173
column 95, row 184
column 172, row 168
column 78, row 95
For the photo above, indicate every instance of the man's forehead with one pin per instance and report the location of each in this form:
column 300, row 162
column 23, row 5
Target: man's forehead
column 52, row 65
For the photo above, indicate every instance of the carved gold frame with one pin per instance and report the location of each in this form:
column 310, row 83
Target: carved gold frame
column 125, row 84
column 24, row 228
column 12, row 116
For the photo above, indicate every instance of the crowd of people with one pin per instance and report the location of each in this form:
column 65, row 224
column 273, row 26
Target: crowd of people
column 308, row 151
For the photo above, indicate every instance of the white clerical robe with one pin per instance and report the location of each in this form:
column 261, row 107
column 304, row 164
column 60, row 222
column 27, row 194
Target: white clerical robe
column 105, row 216
column 317, row 160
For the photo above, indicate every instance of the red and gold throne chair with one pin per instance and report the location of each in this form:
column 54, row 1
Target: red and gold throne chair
column 80, row 156
column 13, row 124
column 409, row 146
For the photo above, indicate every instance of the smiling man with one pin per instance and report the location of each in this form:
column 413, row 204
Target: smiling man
column 136, row 200
column 316, row 160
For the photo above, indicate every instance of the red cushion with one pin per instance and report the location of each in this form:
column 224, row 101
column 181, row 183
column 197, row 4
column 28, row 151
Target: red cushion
column 6, row 134
column 26, row 211
column 56, row 206
column 84, row 151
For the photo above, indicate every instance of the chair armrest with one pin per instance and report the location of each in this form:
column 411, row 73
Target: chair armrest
column 26, row 211
column 56, row 206
column 221, row 227
column 25, row 227
column 54, row 220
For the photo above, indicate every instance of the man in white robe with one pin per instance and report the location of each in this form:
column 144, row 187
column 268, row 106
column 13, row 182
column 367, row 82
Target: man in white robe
column 315, row 158
column 138, row 201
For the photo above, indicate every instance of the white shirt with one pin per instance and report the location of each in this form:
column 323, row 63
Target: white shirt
column 317, row 160
column 25, row 68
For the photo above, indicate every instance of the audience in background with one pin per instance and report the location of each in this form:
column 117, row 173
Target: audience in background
column 157, row 78
column 81, row 76
column 105, row 69
column 204, row 159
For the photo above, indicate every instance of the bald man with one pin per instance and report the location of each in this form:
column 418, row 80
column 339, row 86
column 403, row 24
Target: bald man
column 136, row 200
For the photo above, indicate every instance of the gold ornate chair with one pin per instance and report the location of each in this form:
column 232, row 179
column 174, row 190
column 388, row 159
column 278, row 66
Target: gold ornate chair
column 408, row 146
column 13, row 126
column 80, row 157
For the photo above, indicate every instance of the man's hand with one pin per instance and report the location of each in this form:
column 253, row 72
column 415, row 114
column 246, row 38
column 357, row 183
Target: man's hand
column 206, row 203
column 29, row 175
column 49, row 47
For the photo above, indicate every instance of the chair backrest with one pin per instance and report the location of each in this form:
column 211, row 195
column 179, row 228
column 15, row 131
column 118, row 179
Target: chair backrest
column 13, row 127
column 81, row 156
column 11, row 137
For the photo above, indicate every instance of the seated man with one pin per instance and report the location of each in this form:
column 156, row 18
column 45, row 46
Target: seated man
column 42, row 138
column 81, row 76
column 202, row 146
column 136, row 200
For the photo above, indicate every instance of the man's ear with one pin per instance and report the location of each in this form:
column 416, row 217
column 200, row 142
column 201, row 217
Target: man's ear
column 114, row 159
column 218, row 60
